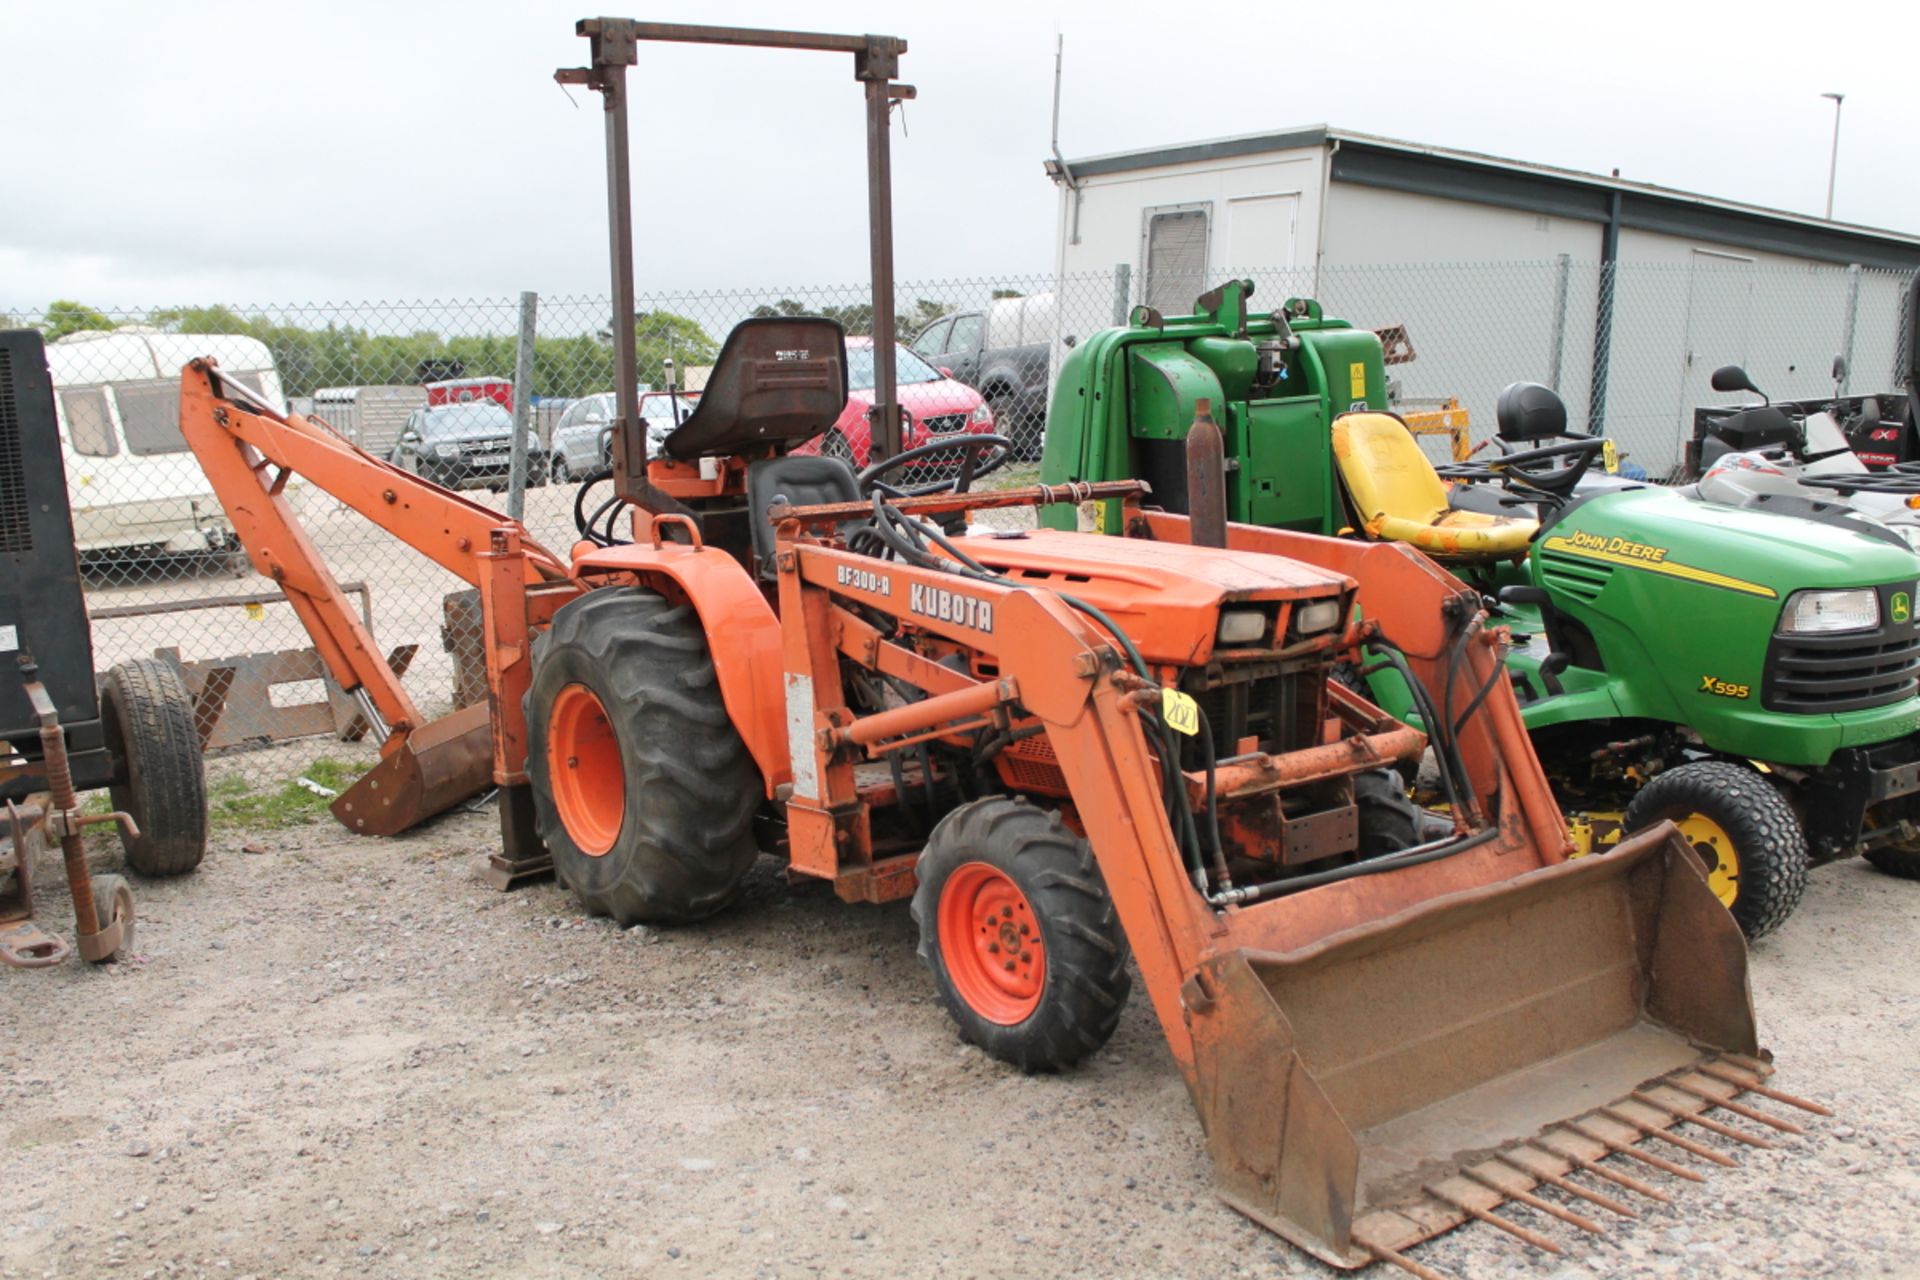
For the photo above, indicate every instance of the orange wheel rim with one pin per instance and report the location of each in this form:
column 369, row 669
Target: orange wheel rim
column 990, row 943
column 589, row 785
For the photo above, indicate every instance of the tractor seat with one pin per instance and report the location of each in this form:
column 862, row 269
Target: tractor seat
column 1400, row 498
column 798, row 481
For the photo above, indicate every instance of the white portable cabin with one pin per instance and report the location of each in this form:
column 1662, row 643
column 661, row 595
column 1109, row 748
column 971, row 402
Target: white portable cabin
column 1621, row 295
column 371, row 417
column 134, row 483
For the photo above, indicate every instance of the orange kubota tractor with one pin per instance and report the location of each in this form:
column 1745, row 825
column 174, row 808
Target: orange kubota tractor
column 1076, row 755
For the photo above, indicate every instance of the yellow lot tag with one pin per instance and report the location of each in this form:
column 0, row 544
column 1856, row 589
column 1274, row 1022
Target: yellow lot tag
column 1357, row 376
column 255, row 612
column 1610, row 458
column 1181, row 712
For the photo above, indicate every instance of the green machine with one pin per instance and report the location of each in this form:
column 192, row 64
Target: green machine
column 1752, row 674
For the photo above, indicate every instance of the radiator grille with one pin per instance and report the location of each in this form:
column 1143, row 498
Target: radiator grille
column 16, row 526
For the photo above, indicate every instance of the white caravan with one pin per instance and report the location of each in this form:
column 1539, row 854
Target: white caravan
column 136, row 487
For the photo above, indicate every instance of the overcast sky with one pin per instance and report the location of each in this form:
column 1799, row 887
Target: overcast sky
column 280, row 153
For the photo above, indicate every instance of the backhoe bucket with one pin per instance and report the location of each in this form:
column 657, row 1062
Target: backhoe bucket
column 1401, row 1076
column 437, row 766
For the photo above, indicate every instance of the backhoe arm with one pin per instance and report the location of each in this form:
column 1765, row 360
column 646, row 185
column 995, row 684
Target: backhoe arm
column 249, row 453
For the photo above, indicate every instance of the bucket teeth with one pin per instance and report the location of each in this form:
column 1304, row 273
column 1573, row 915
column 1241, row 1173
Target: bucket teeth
column 1476, row 1192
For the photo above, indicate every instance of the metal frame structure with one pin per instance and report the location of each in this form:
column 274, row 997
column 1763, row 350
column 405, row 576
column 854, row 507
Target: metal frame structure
column 615, row 47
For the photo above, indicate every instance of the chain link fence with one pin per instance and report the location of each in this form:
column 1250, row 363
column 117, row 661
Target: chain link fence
column 453, row 389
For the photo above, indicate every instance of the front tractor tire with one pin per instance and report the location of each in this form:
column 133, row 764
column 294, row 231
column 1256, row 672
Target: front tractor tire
column 643, row 791
column 1020, row 934
column 1743, row 830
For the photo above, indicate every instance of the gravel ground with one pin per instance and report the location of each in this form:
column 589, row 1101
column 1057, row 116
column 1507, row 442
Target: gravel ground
column 348, row 1057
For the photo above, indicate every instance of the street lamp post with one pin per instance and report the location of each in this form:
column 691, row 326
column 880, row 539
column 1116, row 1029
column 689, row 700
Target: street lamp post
column 1833, row 156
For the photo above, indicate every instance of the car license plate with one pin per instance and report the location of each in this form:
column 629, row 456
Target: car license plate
column 492, row 460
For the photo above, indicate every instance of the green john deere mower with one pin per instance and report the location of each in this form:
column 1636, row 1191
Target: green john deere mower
column 1752, row 674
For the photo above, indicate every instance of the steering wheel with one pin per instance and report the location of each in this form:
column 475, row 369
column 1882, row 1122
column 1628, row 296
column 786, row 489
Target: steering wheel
column 998, row 451
column 1523, row 467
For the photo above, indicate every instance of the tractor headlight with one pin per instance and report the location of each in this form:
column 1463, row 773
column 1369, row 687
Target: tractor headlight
column 1822, row 612
column 1243, row 627
column 1315, row 617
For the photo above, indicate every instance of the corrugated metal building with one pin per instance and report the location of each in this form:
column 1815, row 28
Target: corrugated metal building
column 1623, row 294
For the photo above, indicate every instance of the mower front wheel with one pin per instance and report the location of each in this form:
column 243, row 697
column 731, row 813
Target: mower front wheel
column 1020, row 934
column 1743, row 830
column 643, row 790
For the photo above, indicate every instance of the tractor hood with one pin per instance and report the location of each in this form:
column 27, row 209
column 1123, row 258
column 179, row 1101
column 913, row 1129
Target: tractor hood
column 1754, row 553
column 1167, row 596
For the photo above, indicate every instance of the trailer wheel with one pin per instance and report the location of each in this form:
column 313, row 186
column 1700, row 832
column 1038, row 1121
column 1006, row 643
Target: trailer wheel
column 113, row 900
column 146, row 715
column 1017, row 927
column 643, row 790
column 1743, row 830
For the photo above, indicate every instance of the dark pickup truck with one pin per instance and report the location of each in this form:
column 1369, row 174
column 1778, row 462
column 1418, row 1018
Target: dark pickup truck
column 1001, row 353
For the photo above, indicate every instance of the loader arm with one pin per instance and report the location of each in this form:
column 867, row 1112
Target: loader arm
column 1376, row 1059
column 249, row 453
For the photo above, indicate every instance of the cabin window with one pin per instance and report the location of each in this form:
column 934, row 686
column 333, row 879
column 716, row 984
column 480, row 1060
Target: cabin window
column 89, row 429
column 150, row 415
column 1176, row 257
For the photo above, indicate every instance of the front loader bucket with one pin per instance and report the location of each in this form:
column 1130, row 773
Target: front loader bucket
column 437, row 766
column 1401, row 1076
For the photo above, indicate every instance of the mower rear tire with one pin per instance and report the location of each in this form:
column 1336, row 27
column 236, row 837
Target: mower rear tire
column 146, row 716
column 1020, row 934
column 1902, row 860
column 643, row 791
column 1743, row 830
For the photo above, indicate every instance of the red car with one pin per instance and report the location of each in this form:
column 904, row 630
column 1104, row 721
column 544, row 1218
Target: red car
column 465, row 390
column 936, row 407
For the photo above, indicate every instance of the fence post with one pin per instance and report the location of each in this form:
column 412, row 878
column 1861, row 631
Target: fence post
column 1847, row 328
column 1563, row 265
column 1122, row 292
column 522, row 409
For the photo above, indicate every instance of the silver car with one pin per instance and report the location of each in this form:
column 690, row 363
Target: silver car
column 582, row 442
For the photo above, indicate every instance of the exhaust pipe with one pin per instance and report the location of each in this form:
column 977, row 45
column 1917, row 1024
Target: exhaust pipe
column 1206, row 478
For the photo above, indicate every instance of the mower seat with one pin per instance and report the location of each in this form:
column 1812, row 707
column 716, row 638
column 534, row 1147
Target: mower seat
column 798, row 481
column 1400, row 497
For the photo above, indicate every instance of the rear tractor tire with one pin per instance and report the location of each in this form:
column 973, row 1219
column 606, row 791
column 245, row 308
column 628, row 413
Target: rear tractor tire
column 643, row 791
column 146, row 717
column 1020, row 934
column 1389, row 820
column 1743, row 830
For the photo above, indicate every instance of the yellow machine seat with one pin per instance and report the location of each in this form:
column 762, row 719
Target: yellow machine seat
column 1400, row 498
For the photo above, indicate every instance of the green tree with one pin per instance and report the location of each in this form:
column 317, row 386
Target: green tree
column 65, row 316
column 1007, row 293
column 925, row 312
